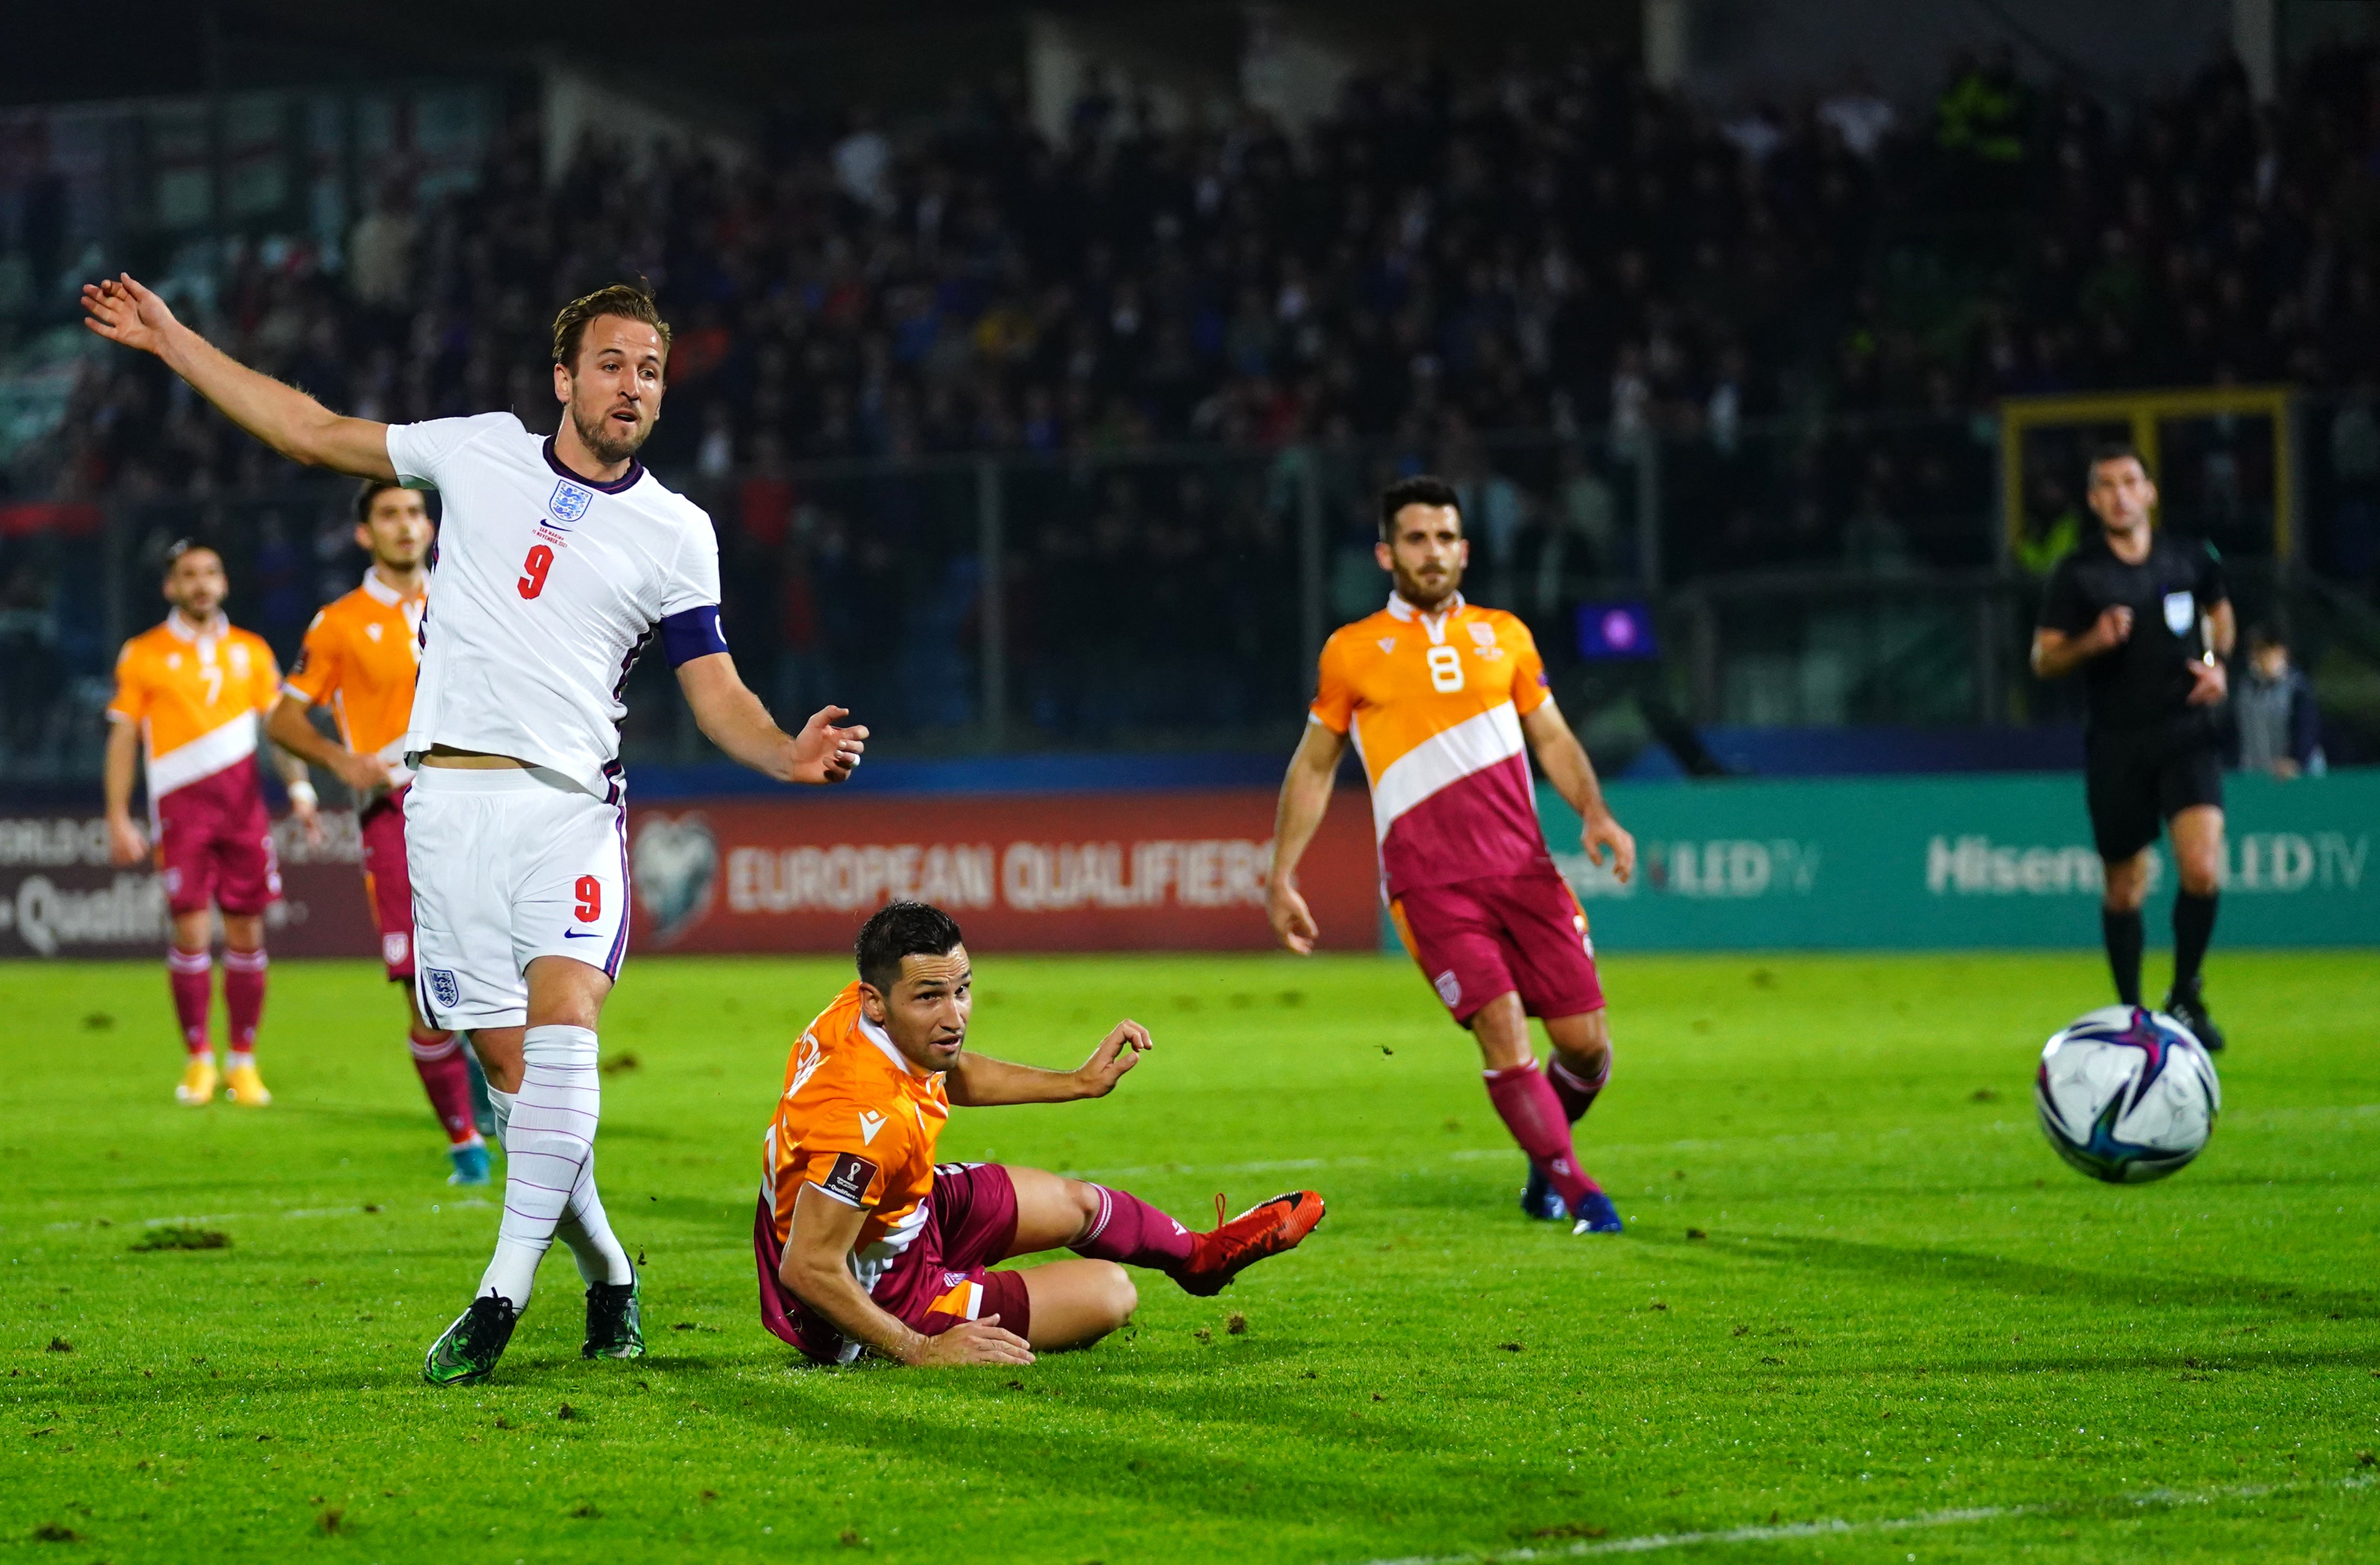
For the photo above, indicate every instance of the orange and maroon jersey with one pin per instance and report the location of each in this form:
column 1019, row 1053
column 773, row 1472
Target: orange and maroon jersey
column 859, row 1122
column 196, row 695
column 360, row 655
column 1433, row 704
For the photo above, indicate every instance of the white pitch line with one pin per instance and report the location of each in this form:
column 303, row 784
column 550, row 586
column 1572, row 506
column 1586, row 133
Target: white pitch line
column 1649, row 1543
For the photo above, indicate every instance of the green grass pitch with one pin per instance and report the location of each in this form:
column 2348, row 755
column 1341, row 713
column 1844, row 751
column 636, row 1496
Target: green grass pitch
column 1861, row 1313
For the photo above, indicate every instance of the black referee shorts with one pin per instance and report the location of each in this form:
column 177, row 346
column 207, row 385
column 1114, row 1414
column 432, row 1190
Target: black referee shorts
column 2136, row 782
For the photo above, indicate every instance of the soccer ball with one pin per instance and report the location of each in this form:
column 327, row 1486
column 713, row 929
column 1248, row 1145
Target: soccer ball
column 2127, row 1094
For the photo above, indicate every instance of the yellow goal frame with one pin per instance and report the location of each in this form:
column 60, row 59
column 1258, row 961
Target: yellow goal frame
column 2144, row 412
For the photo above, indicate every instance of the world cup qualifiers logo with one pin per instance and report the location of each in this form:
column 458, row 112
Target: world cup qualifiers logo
column 676, row 862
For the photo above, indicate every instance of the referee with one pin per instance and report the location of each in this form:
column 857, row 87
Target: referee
column 2147, row 619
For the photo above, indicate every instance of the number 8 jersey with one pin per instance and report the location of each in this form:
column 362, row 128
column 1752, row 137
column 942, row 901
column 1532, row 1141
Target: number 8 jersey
column 549, row 586
column 1433, row 704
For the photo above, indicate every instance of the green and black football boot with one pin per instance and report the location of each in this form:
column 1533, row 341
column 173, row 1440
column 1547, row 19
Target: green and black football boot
column 615, row 1320
column 471, row 1346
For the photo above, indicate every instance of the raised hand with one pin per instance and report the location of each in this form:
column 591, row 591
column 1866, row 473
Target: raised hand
column 973, row 1341
column 123, row 312
column 823, row 753
column 1117, row 1052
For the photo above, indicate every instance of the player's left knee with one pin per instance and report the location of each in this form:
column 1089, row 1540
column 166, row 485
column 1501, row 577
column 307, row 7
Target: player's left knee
column 1118, row 1296
column 2200, row 879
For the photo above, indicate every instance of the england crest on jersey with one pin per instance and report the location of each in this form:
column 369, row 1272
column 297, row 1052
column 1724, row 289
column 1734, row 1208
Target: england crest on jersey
column 2179, row 608
column 569, row 501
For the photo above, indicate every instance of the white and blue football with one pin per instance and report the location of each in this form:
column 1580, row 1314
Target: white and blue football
column 2127, row 1094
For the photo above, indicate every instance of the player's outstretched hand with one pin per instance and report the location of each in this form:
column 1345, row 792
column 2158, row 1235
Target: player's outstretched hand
column 1291, row 920
column 2208, row 683
column 1117, row 1052
column 973, row 1341
column 823, row 753
column 123, row 312
column 1604, row 835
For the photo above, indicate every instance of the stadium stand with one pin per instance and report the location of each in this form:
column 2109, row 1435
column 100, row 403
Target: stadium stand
column 1523, row 280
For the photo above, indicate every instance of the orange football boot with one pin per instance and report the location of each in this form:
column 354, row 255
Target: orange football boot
column 1266, row 1229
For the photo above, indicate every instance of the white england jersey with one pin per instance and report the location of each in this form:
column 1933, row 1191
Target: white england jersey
column 548, row 586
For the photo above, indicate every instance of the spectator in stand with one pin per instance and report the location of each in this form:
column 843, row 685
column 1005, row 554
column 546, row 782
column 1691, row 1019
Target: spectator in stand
column 2281, row 729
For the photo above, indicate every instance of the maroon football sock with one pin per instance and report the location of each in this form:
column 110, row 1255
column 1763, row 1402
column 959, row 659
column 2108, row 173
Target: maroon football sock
column 1531, row 1112
column 438, row 1059
column 1577, row 1092
column 190, row 974
column 1129, row 1230
column 244, row 995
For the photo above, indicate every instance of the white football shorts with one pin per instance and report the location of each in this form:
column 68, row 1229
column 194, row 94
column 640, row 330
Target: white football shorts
column 509, row 865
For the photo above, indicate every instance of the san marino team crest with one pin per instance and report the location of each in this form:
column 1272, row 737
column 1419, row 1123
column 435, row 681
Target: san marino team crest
column 569, row 501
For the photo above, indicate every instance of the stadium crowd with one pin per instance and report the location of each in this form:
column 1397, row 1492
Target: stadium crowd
column 1806, row 307
column 1548, row 246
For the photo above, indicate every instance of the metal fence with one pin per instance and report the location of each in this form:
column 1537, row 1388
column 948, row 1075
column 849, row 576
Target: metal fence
column 1798, row 573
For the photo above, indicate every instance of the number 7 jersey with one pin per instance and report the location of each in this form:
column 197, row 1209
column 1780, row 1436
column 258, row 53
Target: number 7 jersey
column 1433, row 704
column 548, row 586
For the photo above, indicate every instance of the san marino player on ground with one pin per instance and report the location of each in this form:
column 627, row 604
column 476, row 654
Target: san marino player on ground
column 187, row 699
column 2147, row 618
column 559, row 561
column 359, row 662
column 862, row 1241
column 1439, row 696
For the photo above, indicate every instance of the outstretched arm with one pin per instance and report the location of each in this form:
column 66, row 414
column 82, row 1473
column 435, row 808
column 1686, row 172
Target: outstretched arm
column 1572, row 776
column 979, row 1081
column 732, row 717
column 1304, row 797
column 282, row 417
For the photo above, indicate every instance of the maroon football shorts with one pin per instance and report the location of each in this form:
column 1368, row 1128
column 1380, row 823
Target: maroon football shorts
column 214, row 844
column 387, row 884
column 1478, row 939
column 939, row 1281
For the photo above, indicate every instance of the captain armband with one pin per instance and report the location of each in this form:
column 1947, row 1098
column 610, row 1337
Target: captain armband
column 691, row 634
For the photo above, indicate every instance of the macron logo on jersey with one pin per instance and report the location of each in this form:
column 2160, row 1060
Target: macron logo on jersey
column 869, row 1123
column 569, row 503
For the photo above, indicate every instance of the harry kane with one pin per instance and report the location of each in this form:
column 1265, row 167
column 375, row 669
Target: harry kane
column 559, row 561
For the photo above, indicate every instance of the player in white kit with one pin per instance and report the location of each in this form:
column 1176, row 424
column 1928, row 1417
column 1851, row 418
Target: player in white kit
column 558, row 562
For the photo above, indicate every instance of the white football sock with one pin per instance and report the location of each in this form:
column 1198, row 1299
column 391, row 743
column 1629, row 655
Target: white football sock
column 549, row 1135
column 501, row 1102
column 589, row 1233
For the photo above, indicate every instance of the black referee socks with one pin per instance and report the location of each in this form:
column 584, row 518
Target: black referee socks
column 2122, row 933
column 2193, row 926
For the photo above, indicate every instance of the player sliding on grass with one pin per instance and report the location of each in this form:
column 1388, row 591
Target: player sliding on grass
column 560, row 561
column 864, row 1242
column 1443, row 697
column 359, row 662
column 186, row 696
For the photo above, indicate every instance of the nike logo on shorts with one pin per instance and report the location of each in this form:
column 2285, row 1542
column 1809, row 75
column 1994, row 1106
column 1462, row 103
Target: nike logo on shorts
column 580, row 934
